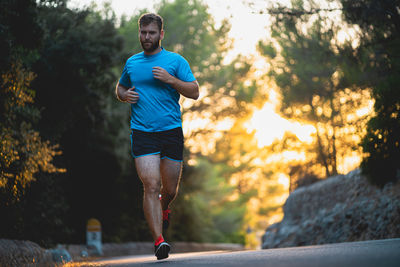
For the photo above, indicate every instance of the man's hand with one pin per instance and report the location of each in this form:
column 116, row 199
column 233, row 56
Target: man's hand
column 187, row 89
column 131, row 96
column 162, row 75
column 125, row 94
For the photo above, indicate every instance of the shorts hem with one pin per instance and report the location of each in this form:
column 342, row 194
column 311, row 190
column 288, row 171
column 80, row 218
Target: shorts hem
column 177, row 160
column 155, row 153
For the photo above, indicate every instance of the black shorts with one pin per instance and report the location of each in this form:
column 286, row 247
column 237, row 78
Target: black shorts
column 169, row 144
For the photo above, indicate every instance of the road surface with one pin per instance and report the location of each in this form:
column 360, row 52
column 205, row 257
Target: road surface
column 385, row 253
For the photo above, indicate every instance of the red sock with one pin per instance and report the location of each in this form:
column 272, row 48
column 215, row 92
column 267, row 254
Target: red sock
column 159, row 240
column 165, row 214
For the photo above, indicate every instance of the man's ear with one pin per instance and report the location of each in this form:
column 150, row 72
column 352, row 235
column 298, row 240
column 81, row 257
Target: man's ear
column 162, row 35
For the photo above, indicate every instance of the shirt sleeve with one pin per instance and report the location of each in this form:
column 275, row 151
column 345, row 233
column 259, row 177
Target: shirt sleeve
column 184, row 72
column 125, row 80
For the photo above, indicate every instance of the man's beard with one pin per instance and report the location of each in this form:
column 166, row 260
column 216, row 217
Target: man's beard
column 153, row 47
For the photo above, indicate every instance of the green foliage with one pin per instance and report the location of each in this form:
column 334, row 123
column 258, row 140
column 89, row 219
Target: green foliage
column 378, row 52
column 267, row 49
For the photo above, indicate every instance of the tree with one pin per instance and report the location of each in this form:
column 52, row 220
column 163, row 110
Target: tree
column 379, row 60
column 23, row 153
column 74, row 77
column 25, row 157
column 313, row 72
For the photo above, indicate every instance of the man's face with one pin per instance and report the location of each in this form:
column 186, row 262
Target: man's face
column 150, row 37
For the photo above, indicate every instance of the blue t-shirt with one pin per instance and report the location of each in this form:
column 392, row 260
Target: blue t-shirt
column 158, row 107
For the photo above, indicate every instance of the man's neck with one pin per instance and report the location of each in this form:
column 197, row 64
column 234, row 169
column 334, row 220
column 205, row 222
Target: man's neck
column 158, row 50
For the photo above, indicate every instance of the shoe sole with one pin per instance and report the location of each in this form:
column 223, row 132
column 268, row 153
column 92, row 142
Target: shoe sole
column 163, row 251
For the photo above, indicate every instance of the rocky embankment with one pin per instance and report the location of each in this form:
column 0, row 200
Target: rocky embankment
column 342, row 208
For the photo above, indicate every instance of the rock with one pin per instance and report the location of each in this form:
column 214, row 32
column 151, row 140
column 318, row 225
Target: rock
column 22, row 253
column 84, row 254
column 60, row 255
column 338, row 209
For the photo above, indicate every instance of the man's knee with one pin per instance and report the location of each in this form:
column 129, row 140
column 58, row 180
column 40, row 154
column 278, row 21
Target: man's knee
column 152, row 187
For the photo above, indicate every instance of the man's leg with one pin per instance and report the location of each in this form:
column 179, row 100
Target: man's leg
column 148, row 168
column 170, row 174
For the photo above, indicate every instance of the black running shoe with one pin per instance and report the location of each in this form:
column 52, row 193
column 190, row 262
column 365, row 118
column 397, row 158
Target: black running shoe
column 162, row 250
column 166, row 217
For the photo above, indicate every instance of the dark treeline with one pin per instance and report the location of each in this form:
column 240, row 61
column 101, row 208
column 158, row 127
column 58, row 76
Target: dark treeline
column 71, row 55
column 65, row 148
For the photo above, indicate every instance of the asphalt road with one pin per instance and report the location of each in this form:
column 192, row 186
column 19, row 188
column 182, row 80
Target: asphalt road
column 382, row 253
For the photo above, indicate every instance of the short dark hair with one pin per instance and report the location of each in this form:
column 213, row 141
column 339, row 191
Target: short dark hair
column 148, row 18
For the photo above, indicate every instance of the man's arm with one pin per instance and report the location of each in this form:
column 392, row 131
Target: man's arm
column 187, row 89
column 125, row 94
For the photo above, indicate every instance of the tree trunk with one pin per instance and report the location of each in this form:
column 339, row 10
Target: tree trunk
column 320, row 146
column 334, row 151
column 322, row 154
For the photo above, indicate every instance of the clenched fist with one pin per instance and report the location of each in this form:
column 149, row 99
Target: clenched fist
column 131, row 96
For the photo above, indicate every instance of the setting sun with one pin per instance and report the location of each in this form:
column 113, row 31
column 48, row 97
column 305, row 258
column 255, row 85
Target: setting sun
column 270, row 126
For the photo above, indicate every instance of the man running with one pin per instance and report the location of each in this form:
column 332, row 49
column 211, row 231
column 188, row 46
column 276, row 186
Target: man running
column 152, row 82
